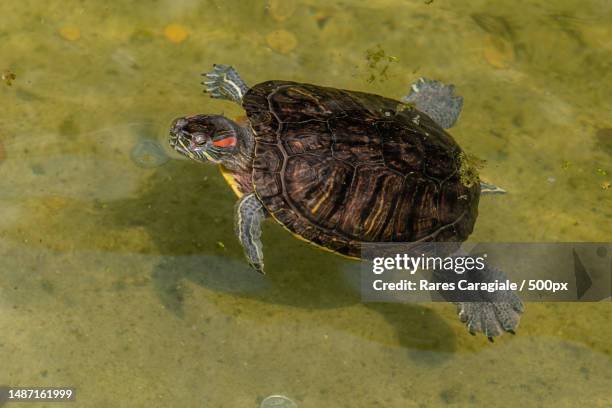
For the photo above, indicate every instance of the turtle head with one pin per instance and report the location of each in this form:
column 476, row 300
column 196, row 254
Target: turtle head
column 205, row 138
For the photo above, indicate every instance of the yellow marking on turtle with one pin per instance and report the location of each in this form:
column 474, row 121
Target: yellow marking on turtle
column 322, row 199
column 372, row 221
column 233, row 85
column 210, row 158
column 229, row 179
column 305, row 93
column 310, row 96
column 301, row 238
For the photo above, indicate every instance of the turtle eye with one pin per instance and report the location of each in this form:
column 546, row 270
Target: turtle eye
column 198, row 142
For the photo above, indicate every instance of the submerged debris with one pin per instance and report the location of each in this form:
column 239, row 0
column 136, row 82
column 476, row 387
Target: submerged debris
column 322, row 17
column 8, row 77
column 147, row 153
column 282, row 41
column 175, row 33
column 70, row 33
column 378, row 63
column 499, row 45
column 280, row 10
column 469, row 168
column 498, row 52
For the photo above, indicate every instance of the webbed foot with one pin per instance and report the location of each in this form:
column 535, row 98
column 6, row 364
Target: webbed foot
column 489, row 312
column 223, row 82
column 437, row 100
column 491, row 319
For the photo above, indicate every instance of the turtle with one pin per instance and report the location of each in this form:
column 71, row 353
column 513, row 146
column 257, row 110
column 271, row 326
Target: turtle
column 340, row 168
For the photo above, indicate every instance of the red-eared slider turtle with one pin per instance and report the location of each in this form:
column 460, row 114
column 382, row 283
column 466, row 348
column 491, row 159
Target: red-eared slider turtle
column 339, row 168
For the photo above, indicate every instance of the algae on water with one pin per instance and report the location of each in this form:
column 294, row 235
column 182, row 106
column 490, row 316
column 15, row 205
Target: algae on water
column 378, row 63
column 8, row 77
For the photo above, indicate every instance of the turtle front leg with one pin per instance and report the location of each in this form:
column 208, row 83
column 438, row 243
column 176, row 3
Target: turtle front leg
column 490, row 313
column 248, row 216
column 223, row 82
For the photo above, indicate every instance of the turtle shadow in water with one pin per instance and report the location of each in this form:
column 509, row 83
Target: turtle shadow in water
column 188, row 210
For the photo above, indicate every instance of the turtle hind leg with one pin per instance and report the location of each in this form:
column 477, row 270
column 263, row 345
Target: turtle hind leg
column 437, row 100
column 223, row 82
column 490, row 313
column 249, row 214
column 488, row 188
column 490, row 319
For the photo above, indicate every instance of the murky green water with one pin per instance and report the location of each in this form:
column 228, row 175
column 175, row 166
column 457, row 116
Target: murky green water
column 126, row 281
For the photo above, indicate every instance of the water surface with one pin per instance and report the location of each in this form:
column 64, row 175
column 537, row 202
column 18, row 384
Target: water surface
column 125, row 280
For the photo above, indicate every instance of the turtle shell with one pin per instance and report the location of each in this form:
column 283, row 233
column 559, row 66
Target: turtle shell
column 339, row 168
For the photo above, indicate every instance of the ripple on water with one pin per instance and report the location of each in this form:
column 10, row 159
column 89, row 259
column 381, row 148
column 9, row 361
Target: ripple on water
column 148, row 153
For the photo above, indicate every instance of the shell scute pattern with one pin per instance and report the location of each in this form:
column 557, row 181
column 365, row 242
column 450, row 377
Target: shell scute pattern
column 310, row 137
column 270, row 160
column 339, row 168
column 354, row 141
column 318, row 187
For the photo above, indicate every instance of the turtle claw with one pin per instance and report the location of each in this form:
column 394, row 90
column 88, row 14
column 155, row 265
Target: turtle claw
column 223, row 82
column 214, row 92
column 259, row 267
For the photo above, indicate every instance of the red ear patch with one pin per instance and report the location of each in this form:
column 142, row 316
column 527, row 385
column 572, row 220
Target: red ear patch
column 226, row 142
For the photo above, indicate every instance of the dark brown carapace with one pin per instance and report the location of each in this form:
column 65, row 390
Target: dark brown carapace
column 339, row 168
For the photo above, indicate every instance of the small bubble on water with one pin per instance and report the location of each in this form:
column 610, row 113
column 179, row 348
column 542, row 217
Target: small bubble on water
column 277, row 401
